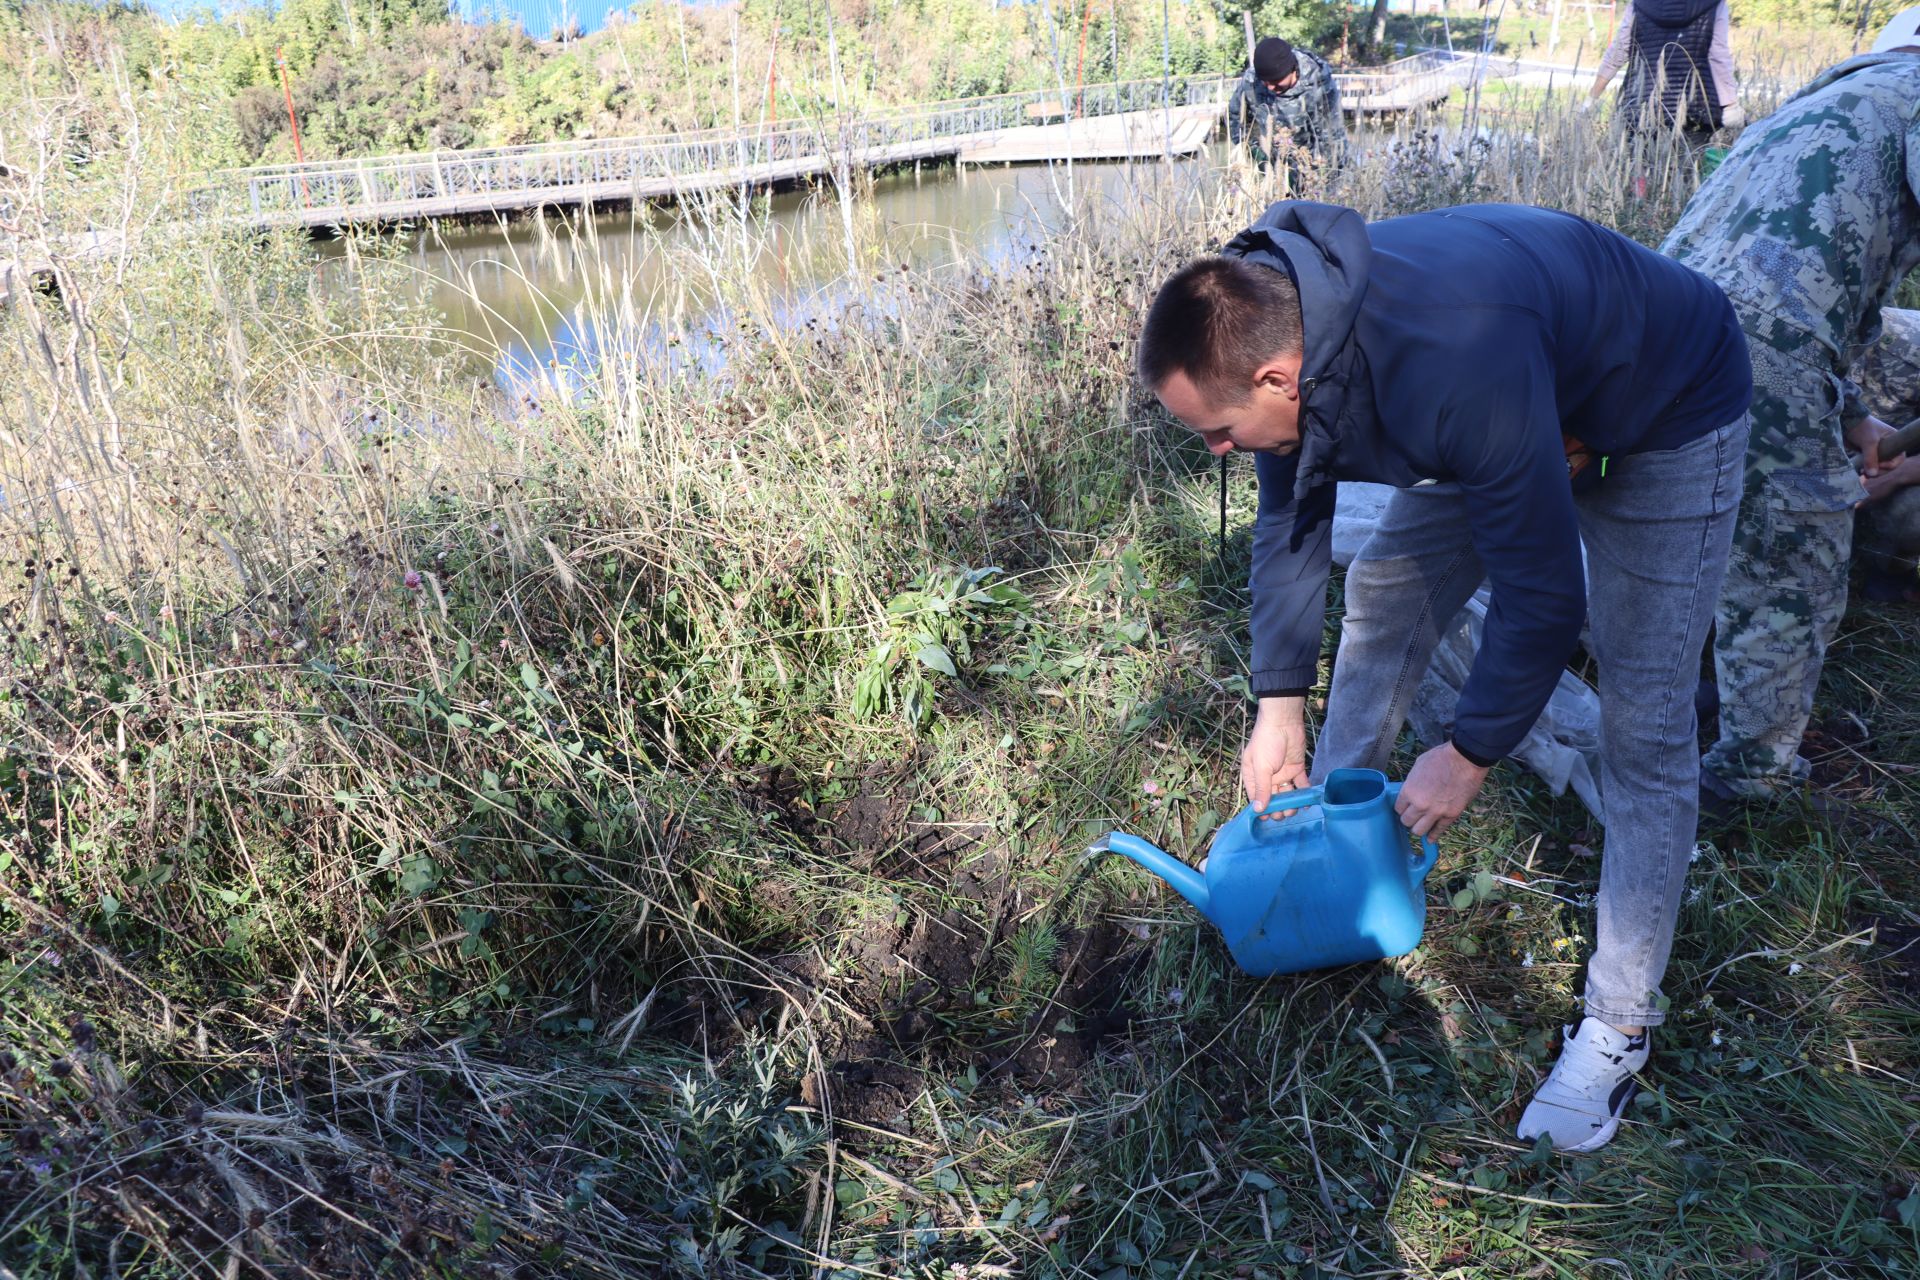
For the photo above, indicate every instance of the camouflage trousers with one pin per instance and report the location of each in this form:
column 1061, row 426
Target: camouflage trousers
column 1786, row 584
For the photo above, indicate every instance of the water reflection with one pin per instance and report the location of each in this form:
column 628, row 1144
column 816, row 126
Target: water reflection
column 538, row 297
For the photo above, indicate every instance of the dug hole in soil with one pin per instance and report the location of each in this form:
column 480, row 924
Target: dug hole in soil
column 911, row 982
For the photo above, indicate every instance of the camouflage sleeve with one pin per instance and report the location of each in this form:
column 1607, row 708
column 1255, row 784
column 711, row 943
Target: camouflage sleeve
column 1913, row 156
column 1853, row 405
column 1892, row 361
column 1889, row 373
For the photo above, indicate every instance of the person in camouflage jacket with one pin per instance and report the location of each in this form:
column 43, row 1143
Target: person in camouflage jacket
column 1886, row 533
column 1287, row 108
column 1808, row 225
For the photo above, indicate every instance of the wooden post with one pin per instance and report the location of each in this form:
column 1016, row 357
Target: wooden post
column 1553, row 35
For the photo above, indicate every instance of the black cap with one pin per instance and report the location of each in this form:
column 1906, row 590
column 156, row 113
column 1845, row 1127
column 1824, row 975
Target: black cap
column 1273, row 59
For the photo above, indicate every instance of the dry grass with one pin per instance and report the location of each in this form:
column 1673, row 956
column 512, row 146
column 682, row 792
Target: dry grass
column 440, row 838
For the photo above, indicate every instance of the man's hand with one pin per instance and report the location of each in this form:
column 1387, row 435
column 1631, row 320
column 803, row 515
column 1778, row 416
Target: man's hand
column 1893, row 479
column 1864, row 437
column 1275, row 757
column 1438, row 790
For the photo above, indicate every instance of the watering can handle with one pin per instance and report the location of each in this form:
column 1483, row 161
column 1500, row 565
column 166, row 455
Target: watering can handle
column 1429, row 850
column 1291, row 800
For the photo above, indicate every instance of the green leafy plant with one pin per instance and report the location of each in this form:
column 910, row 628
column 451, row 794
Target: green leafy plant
column 932, row 630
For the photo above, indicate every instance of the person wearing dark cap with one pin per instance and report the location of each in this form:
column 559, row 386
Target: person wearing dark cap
column 1286, row 109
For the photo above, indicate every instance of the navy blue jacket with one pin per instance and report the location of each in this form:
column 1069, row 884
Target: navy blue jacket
column 1458, row 345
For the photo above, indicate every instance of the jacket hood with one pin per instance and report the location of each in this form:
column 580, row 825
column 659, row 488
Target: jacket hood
column 1673, row 13
column 1324, row 249
column 1853, row 65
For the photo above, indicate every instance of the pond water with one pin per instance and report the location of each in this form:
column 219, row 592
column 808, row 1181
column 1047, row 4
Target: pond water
column 533, row 294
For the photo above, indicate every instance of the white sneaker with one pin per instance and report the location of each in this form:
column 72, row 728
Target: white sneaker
column 1588, row 1090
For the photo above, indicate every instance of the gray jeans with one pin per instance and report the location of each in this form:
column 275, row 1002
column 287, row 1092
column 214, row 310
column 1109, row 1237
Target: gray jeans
column 1656, row 530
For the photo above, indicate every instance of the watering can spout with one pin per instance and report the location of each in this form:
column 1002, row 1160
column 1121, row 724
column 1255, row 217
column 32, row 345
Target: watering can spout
column 1187, row 882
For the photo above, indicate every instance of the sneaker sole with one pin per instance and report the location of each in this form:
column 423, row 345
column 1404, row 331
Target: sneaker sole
column 1601, row 1138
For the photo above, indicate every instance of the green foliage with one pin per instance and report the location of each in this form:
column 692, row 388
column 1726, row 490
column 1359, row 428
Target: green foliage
column 426, row 88
column 1029, row 974
column 739, row 1150
column 1306, row 22
column 437, row 837
column 402, row 75
column 932, row 630
column 1809, row 13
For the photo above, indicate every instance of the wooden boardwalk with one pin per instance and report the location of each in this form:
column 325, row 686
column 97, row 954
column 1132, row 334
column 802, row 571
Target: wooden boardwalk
column 1178, row 131
column 1141, row 118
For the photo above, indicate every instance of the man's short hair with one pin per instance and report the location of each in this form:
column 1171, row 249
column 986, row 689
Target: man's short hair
column 1217, row 320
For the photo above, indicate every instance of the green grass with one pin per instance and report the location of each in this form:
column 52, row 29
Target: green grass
column 440, row 838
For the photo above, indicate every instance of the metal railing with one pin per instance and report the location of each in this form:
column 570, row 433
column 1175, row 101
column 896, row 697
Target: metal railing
column 603, row 168
column 1414, row 81
column 702, row 158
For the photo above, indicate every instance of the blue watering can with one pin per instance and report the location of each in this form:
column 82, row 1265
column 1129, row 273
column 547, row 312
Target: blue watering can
column 1337, row 883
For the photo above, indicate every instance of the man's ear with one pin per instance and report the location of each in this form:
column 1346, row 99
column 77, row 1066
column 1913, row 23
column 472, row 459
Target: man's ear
column 1279, row 376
